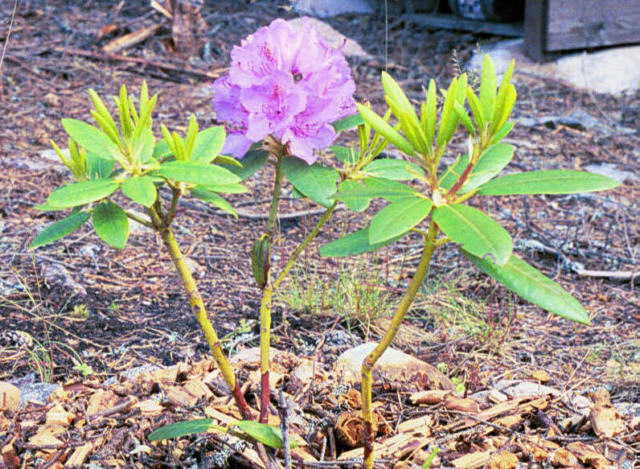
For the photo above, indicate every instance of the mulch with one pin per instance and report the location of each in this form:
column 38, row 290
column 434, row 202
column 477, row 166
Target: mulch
column 79, row 303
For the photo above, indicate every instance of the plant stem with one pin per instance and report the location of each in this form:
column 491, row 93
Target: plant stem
column 303, row 245
column 396, row 322
column 198, row 308
column 265, row 303
column 175, row 191
column 139, row 219
column 275, row 201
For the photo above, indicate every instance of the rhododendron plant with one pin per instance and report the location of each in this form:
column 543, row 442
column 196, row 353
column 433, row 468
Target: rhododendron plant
column 287, row 83
column 435, row 204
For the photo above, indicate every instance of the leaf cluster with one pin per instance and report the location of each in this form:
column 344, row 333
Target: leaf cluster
column 420, row 188
column 121, row 154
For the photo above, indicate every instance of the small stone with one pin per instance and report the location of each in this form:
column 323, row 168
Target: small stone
column 9, row 397
column 526, row 388
column 393, row 366
column 52, row 99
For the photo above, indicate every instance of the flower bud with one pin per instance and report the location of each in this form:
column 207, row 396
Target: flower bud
column 260, row 260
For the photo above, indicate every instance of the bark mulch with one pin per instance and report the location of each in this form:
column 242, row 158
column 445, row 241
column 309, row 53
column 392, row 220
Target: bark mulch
column 532, row 390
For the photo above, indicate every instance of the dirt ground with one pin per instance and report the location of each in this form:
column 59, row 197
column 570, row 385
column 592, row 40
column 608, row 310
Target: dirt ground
column 80, row 303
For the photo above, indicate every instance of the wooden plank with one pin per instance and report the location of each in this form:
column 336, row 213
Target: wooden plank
column 535, row 28
column 591, row 23
column 442, row 21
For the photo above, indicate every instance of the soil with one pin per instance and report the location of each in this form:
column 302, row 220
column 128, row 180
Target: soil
column 80, row 301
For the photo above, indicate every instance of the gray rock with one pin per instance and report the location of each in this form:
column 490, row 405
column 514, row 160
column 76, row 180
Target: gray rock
column 349, row 47
column 613, row 70
column 393, row 365
column 329, row 8
column 515, row 389
column 36, row 392
column 612, row 171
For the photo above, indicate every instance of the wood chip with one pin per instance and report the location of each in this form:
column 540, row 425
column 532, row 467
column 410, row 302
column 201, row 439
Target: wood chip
column 9, row 397
column 131, row 39
column 606, row 420
column 461, row 404
column 101, row 401
column 562, row 457
column 503, row 460
column 57, row 415
column 432, row 396
column 79, row 455
column 541, row 376
column 181, row 397
column 588, row 455
column 472, row 460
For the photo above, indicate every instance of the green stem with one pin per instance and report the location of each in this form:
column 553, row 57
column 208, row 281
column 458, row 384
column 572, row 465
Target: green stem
column 174, row 205
column 139, row 219
column 265, row 303
column 275, row 201
column 198, row 308
column 396, row 322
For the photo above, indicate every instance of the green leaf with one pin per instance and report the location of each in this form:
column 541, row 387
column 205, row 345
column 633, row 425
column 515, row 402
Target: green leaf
column 396, row 170
column 226, row 188
column 448, row 118
column 402, row 108
column 228, row 160
column 315, row 181
column 429, row 114
column 345, row 154
column 266, row 434
column 195, row 172
column 190, row 137
column 144, row 146
column 384, row 129
column 90, row 138
column 488, row 87
column 208, row 144
column 552, row 181
column 529, row 283
column 140, row 189
column 214, row 199
column 476, row 108
column 251, row 164
column 347, row 123
column 398, row 218
column 355, row 193
column 178, row 429
column 99, row 168
column 502, row 132
column 490, row 163
column 82, row 193
column 161, row 150
column 477, row 232
column 353, row 244
column 59, row 229
column 111, row 224
column 357, row 203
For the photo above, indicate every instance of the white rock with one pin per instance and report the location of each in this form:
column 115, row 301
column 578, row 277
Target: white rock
column 393, row 365
column 350, row 48
column 329, row 8
column 613, row 70
column 612, row 171
column 527, row 388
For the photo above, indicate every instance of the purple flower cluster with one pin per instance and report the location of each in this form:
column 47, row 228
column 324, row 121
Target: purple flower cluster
column 284, row 82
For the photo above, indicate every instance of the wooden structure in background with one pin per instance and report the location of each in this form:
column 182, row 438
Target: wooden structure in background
column 559, row 25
